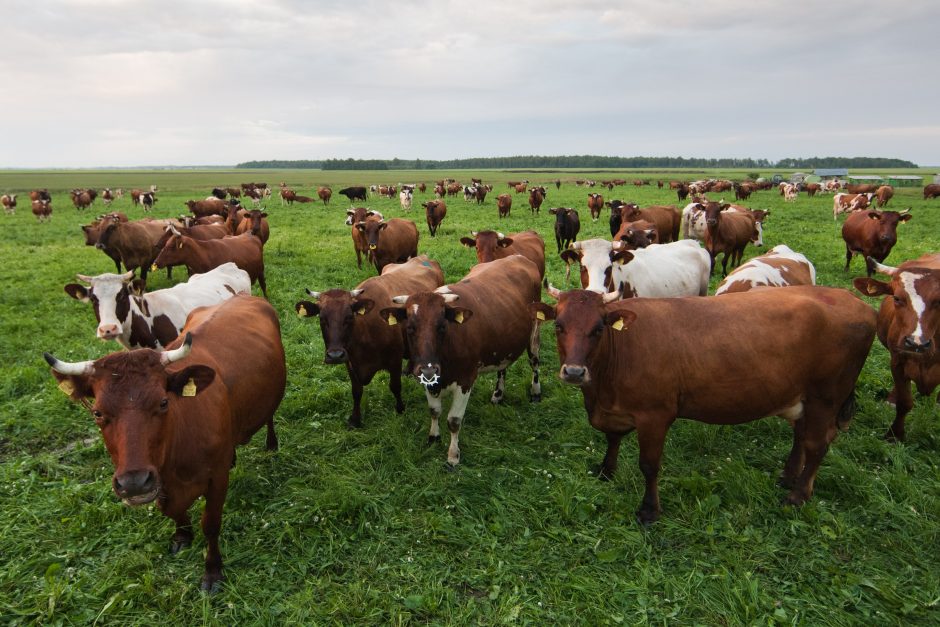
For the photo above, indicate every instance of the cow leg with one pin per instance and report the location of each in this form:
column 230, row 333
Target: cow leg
column 819, row 431
column 434, row 405
column 394, row 384
column 179, row 513
column 609, row 465
column 270, row 442
column 724, row 265
column 848, row 257
column 211, row 526
column 261, row 283
column 651, row 436
column 355, row 419
column 500, row 387
column 358, row 258
column 454, row 417
column 797, row 457
column 903, row 403
column 535, row 388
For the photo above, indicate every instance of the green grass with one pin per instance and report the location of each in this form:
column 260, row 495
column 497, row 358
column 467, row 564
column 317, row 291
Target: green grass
column 366, row 526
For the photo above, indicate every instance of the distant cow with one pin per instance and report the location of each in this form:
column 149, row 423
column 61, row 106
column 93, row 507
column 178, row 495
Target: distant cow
column 727, row 233
column 847, row 203
column 354, row 193
column 171, row 420
column 40, row 194
column 536, row 197
column 207, row 207
column 356, row 335
column 595, row 204
column 932, row 191
column 42, row 209
column 781, row 267
column 871, row 234
column 83, row 198
column 404, row 198
column 435, row 211
column 567, row 226
column 503, row 205
column 811, row 189
column 147, row 199
column 392, row 241
column 324, row 194
column 491, row 245
column 884, row 194
column 9, row 203
column 743, row 191
column 246, row 251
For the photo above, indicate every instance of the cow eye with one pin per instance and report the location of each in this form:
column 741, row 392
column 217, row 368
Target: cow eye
column 897, row 300
column 559, row 328
column 164, row 403
column 597, row 331
column 99, row 417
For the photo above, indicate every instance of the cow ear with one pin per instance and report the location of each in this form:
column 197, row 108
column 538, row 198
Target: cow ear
column 905, row 217
column 264, row 214
column 874, row 215
column 872, row 287
column 78, row 292
column 75, row 386
column 383, row 225
column 570, row 256
column 469, row 242
column 458, row 314
column 725, row 206
column 619, row 320
column 393, row 315
column 361, row 226
column 189, row 381
column 138, row 287
column 362, row 306
column 621, row 256
column 306, row 309
column 542, row 311
column 505, row 242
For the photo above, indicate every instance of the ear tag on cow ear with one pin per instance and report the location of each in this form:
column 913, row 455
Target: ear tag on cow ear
column 459, row 317
column 361, row 311
column 539, row 315
column 302, row 311
column 618, row 325
column 66, row 386
column 392, row 320
column 190, row 388
column 872, row 290
column 153, row 267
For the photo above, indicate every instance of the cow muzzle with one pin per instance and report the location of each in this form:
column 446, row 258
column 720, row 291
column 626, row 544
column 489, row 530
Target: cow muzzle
column 912, row 345
column 429, row 375
column 136, row 487
column 336, row 356
column 372, row 246
column 711, row 222
column 575, row 375
column 108, row 331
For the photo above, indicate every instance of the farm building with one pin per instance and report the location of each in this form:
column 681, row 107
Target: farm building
column 866, row 178
column 831, row 173
column 905, row 180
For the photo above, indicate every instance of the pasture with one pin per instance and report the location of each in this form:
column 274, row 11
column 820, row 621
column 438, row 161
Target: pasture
column 367, row 526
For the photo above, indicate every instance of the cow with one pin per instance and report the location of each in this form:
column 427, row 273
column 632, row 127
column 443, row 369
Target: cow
column 9, row 203
column 847, row 203
column 658, row 271
column 536, row 196
column 781, row 267
column 693, row 221
column 137, row 193
column 153, row 319
column 454, row 188
column 287, row 195
column 42, row 209
column 324, row 193
column 171, row 420
column 871, row 234
column 360, row 243
column 884, row 194
column 614, row 352
column 404, row 198
column 233, row 192
column 790, row 191
column 639, row 234
column 40, row 194
column 132, row 242
column 219, row 193
column 476, row 325
column 743, row 191
column 907, row 327
column 595, row 204
column 422, row 187
column 246, row 251
column 861, row 188
column 491, row 245
column 83, row 198
column 107, row 196
column 932, row 191
column 567, row 226
column 92, row 233
column 354, row 333
column 147, row 199
column 727, row 233
column 392, row 241
column 481, row 192
column 812, row 189
column 255, row 222
column 354, row 193
column 435, row 211
column 666, row 218
column 503, row 205
column 207, row 207
column 719, row 186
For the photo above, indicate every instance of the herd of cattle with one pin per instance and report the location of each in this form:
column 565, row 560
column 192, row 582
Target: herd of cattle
column 638, row 339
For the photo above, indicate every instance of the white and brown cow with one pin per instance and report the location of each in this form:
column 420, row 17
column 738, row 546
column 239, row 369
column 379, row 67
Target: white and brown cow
column 778, row 268
column 154, row 319
column 847, row 203
column 9, row 203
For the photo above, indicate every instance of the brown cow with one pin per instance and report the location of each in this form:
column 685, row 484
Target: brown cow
column 42, row 209
column 683, row 191
column 460, row 330
column 871, row 234
column 353, row 217
column 781, row 267
column 638, row 234
column 207, row 207
column 40, row 194
column 743, row 191
column 9, row 203
column 667, row 219
column 503, row 205
column 287, row 195
column 435, row 211
column 255, row 223
column 171, row 420
column 819, row 338
column 520, row 187
column 861, row 188
column 324, row 194
column 133, row 242
column 811, row 189
column 354, row 334
column 83, row 198
column 595, row 204
column 932, row 191
column 392, row 241
column 728, row 233
column 245, row 251
column 92, row 233
column 884, row 194
column 536, row 196
column 907, row 327
column 491, row 245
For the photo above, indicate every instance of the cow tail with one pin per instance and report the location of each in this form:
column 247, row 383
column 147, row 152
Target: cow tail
column 846, row 412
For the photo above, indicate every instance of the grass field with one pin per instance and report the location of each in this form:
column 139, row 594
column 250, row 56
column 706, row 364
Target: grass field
column 366, row 526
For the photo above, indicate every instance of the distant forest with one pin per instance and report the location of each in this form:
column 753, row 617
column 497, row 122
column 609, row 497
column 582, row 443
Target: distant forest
column 580, row 161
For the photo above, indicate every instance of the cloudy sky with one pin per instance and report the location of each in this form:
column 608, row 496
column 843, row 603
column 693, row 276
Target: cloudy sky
column 191, row 82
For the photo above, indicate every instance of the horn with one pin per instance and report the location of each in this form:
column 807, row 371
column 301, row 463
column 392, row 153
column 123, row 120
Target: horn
column 84, row 278
column 175, row 232
column 500, row 235
column 400, row 300
column 553, row 291
column 355, row 293
column 883, row 269
column 610, row 297
column 314, row 295
column 450, row 298
column 444, row 289
column 474, row 233
column 127, row 276
column 169, row 357
column 905, row 212
column 67, row 367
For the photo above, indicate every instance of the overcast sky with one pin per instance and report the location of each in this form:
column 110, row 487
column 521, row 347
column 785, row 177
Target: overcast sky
column 190, row 82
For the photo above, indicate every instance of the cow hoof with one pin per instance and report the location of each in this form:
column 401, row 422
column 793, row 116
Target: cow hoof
column 647, row 517
column 794, row 498
column 399, row 407
column 786, row 482
column 449, row 467
column 892, row 437
column 601, row 473
column 353, row 424
column 211, row 584
column 433, row 439
column 178, row 544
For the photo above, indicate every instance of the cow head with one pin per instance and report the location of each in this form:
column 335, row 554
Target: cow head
column 134, row 399
column 596, row 258
column 639, row 234
column 760, row 215
column 581, row 320
column 887, row 224
column 428, row 318
column 713, row 212
column 371, row 230
column 338, row 311
column 487, row 244
column 915, row 299
column 174, row 252
column 110, row 297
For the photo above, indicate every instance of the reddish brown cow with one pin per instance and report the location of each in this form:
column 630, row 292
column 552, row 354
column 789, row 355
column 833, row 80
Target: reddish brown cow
column 324, row 194
column 255, row 222
column 595, row 204
column 811, row 189
column 491, row 245
column 460, row 330
column 92, row 233
column 394, row 241
column 171, row 421
column 520, row 187
column 40, row 194
column 353, row 217
column 884, row 194
column 133, row 242
column 727, row 233
column 907, row 326
column 536, row 197
column 207, row 207
column 819, row 338
column 354, row 334
column 872, row 234
column 861, row 188
column 435, row 211
column 503, row 205
column 245, row 251
column 288, row 196
column 83, row 198
column 638, row 234
column 932, row 191
column 743, row 191
column 42, row 209
column 667, row 219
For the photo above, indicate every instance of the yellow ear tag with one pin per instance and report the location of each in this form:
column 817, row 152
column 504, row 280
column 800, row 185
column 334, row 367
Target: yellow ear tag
column 66, row 386
column 618, row 325
column 392, row 321
column 302, row 311
column 362, row 311
column 190, row 388
column 153, row 267
column 459, row 317
column 871, row 290
column 539, row 315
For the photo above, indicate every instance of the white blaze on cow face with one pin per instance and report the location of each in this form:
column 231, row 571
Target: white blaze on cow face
column 595, row 261
column 110, row 290
column 908, row 280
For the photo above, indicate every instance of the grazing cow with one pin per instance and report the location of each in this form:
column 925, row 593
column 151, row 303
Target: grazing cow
column 40, row 194
column 932, row 191
column 819, row 338
column 727, row 232
column 288, row 195
column 255, row 222
column 847, row 203
column 171, row 420
column 666, row 218
column 861, row 188
column 871, row 234
column 354, row 193
column 208, row 207
column 491, row 245
column 324, row 194
column 476, row 325
column 743, row 191
column 42, row 209
column 536, row 197
column 356, row 335
column 147, row 199
column 567, row 226
column 9, row 203
column 154, row 319
column 233, row 192
column 884, row 194
column 812, row 189
column 132, row 242
column 907, row 327
column 392, row 241
column 246, row 251
column 404, row 197
column 781, row 267
column 435, row 211
column 639, row 234
column 503, row 205
column 595, row 204
column 683, row 191
column 658, row 271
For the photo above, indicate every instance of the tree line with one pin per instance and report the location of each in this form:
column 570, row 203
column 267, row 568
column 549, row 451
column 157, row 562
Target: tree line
column 579, row 161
